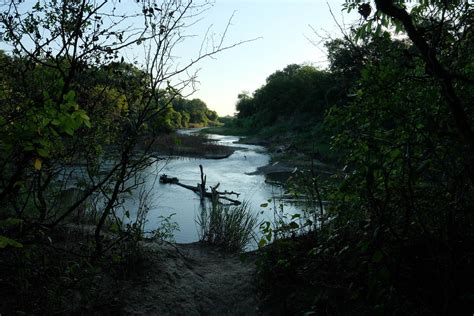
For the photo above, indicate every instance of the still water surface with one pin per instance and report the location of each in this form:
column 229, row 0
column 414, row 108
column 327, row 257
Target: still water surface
column 232, row 173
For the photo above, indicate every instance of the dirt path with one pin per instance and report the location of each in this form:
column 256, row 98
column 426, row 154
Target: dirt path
column 192, row 279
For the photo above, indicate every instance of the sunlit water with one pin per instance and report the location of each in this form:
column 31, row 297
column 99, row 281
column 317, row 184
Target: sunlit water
column 233, row 174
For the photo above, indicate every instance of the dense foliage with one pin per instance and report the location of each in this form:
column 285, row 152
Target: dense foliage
column 396, row 236
column 193, row 113
column 289, row 109
column 78, row 125
column 296, row 90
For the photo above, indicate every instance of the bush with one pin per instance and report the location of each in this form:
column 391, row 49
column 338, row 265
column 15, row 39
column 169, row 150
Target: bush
column 230, row 227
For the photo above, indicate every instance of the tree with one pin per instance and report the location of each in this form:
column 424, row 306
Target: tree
column 71, row 97
column 245, row 106
column 439, row 30
column 407, row 178
column 295, row 90
column 399, row 210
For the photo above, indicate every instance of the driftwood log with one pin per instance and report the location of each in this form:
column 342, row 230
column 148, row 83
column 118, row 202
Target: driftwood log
column 201, row 190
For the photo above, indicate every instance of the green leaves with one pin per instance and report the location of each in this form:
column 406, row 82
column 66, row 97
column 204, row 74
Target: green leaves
column 43, row 152
column 377, row 256
column 293, row 225
column 267, row 231
column 7, row 242
column 10, row 222
column 44, row 123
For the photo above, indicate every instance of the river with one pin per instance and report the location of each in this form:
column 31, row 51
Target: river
column 233, row 174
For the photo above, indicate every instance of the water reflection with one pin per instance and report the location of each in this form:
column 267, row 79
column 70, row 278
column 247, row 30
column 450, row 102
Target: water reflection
column 232, row 173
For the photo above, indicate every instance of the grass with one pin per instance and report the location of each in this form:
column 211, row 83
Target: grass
column 226, row 130
column 229, row 227
column 190, row 146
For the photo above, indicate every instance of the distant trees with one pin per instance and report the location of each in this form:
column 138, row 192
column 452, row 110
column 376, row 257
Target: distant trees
column 194, row 112
column 245, row 105
column 295, row 90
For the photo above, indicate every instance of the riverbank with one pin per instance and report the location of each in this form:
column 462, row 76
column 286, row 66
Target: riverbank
column 192, row 279
column 189, row 145
column 286, row 158
column 144, row 278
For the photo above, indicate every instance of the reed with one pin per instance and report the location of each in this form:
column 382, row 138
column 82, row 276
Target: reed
column 226, row 226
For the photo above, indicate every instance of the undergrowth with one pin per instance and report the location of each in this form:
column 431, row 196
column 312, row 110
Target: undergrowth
column 229, row 227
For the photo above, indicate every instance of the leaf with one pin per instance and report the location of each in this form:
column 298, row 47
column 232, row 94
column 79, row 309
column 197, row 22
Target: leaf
column 4, row 242
column 264, row 205
column 377, row 257
column 294, row 225
column 384, row 274
column 364, row 245
column 87, row 123
column 9, row 222
column 38, row 164
column 343, row 250
column 70, row 96
column 28, row 146
column 69, row 131
column 83, row 115
column 42, row 152
column 114, row 228
column 262, row 243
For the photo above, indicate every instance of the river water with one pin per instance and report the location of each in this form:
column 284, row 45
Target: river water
column 233, row 174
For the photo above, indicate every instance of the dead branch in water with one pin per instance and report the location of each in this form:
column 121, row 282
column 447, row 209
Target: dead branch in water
column 200, row 188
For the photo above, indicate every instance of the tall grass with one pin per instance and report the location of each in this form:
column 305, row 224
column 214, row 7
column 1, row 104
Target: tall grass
column 230, row 227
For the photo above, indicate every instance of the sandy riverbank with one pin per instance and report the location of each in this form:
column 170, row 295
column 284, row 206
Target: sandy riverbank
column 192, row 279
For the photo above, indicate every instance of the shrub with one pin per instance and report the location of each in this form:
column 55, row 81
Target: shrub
column 230, row 227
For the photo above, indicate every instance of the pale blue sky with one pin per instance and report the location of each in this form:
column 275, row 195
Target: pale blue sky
column 284, row 28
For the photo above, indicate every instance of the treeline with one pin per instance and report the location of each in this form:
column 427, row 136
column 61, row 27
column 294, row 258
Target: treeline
column 109, row 82
column 289, row 109
column 296, row 90
column 391, row 231
column 184, row 113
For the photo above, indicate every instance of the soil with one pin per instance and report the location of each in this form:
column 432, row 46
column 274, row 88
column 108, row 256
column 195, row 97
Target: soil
column 192, row 279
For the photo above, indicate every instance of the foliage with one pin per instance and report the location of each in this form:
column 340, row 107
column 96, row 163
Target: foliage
column 288, row 110
column 77, row 123
column 166, row 228
column 295, row 89
column 48, row 277
column 194, row 111
column 229, row 227
column 397, row 230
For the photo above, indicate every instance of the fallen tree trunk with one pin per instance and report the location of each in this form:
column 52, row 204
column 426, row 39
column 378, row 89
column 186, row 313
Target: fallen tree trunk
column 200, row 188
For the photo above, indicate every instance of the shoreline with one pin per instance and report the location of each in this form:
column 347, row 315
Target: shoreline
column 192, row 279
column 190, row 146
column 284, row 153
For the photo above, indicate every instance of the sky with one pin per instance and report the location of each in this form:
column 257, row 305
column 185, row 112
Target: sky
column 283, row 29
column 278, row 33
